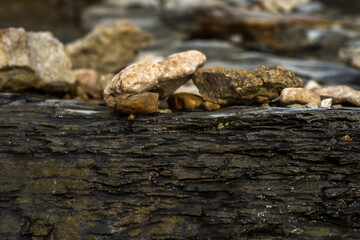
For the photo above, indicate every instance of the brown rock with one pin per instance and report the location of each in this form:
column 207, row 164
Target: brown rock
column 340, row 94
column 144, row 103
column 33, row 60
column 299, row 95
column 87, row 82
column 108, row 48
column 185, row 101
column 326, row 103
column 211, row 106
column 225, row 86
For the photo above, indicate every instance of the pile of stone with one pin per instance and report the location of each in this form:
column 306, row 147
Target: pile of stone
column 81, row 69
column 138, row 88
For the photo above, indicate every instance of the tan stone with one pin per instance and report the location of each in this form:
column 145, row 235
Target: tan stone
column 33, row 60
column 290, row 96
column 144, row 103
column 340, row 94
column 108, row 47
column 229, row 87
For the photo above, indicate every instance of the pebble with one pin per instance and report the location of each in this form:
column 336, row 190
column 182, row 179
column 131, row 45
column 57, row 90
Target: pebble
column 295, row 106
column 311, row 105
column 185, row 101
column 311, row 85
column 144, row 103
column 346, row 138
column 326, row 103
column 290, row 96
column 337, row 106
column 340, row 94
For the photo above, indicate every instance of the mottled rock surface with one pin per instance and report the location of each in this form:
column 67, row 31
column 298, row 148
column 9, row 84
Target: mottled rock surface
column 227, row 87
column 340, row 94
column 108, row 47
column 299, row 95
column 72, row 170
column 33, row 60
column 163, row 77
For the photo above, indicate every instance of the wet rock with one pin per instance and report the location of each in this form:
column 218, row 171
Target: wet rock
column 280, row 6
column 299, row 95
column 108, row 47
column 326, row 103
column 33, row 60
column 144, row 103
column 227, row 87
column 163, row 78
column 340, row 94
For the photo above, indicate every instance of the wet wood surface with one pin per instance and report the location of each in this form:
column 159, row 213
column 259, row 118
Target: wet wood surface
column 72, row 170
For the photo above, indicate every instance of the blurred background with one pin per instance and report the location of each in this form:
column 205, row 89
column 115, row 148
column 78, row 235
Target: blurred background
column 317, row 39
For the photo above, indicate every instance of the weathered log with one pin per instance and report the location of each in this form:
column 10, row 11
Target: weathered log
column 72, row 170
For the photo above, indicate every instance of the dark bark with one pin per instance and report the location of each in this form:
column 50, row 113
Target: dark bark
column 72, row 170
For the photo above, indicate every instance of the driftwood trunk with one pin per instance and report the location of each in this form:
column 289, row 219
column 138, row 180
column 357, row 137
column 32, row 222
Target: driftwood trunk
column 72, row 170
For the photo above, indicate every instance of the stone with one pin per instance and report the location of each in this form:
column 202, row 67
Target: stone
column 346, row 138
column 163, row 78
column 190, row 101
column 33, row 60
column 211, row 106
column 229, row 87
column 326, row 103
column 311, row 105
column 340, row 94
column 311, row 85
column 280, row 6
column 185, row 101
column 87, row 84
column 179, row 68
column 296, row 105
column 337, row 106
column 109, row 47
column 143, row 103
column 290, row 96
